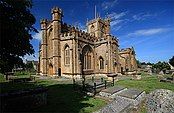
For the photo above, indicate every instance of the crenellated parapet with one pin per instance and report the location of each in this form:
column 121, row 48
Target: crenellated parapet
column 126, row 51
column 114, row 39
column 43, row 23
column 73, row 32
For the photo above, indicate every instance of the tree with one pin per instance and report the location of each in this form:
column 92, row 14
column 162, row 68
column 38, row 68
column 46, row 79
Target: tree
column 161, row 66
column 29, row 66
column 143, row 63
column 16, row 23
column 138, row 64
column 171, row 61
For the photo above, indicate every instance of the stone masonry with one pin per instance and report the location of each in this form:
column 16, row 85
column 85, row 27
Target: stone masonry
column 68, row 51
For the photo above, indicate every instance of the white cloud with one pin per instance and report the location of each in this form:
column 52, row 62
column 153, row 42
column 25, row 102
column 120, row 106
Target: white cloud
column 117, row 15
column 117, row 20
column 80, row 26
column 31, row 57
column 108, row 4
column 116, row 28
column 143, row 16
column 147, row 32
column 38, row 36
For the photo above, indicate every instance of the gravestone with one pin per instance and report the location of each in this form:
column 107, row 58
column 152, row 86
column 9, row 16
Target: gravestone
column 160, row 101
column 135, row 96
column 161, row 73
column 118, row 105
column 112, row 91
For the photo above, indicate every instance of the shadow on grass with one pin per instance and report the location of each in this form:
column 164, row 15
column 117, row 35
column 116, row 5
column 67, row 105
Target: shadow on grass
column 61, row 98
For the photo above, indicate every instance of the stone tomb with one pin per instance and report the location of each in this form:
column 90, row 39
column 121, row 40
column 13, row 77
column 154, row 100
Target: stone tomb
column 124, row 99
column 112, row 91
column 134, row 96
column 118, row 105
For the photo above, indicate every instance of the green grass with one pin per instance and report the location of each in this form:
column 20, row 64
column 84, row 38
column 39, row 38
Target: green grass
column 6, row 87
column 22, row 74
column 61, row 97
column 147, row 83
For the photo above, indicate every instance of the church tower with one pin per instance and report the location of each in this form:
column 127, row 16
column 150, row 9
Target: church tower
column 57, row 15
column 43, row 51
column 99, row 27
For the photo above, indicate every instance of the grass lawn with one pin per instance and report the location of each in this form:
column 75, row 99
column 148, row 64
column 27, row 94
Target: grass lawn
column 147, row 83
column 60, row 97
column 24, row 74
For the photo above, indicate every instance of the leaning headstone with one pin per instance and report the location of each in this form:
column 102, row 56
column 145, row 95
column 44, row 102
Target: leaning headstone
column 161, row 73
column 137, row 77
column 160, row 101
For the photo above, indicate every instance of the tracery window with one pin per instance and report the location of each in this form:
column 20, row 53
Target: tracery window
column 87, row 60
column 92, row 30
column 67, row 55
column 101, row 63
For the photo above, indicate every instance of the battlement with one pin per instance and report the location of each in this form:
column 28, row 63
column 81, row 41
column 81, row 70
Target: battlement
column 71, row 31
column 114, row 38
column 99, row 19
column 126, row 50
column 56, row 10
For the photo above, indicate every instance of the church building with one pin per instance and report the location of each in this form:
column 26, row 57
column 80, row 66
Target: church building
column 70, row 52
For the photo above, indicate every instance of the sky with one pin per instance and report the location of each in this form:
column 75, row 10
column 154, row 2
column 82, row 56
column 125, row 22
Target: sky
column 147, row 25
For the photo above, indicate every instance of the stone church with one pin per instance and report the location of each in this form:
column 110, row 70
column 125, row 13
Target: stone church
column 68, row 51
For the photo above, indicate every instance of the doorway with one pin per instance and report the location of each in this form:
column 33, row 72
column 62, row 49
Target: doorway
column 50, row 69
column 59, row 72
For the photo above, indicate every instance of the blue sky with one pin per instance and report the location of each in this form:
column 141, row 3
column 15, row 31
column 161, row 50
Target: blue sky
column 147, row 25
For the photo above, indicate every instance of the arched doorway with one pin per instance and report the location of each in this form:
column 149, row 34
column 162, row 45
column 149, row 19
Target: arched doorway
column 87, row 60
column 50, row 69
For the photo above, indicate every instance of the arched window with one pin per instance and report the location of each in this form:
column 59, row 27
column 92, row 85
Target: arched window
column 92, row 30
column 103, row 29
column 87, row 60
column 101, row 63
column 67, row 55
